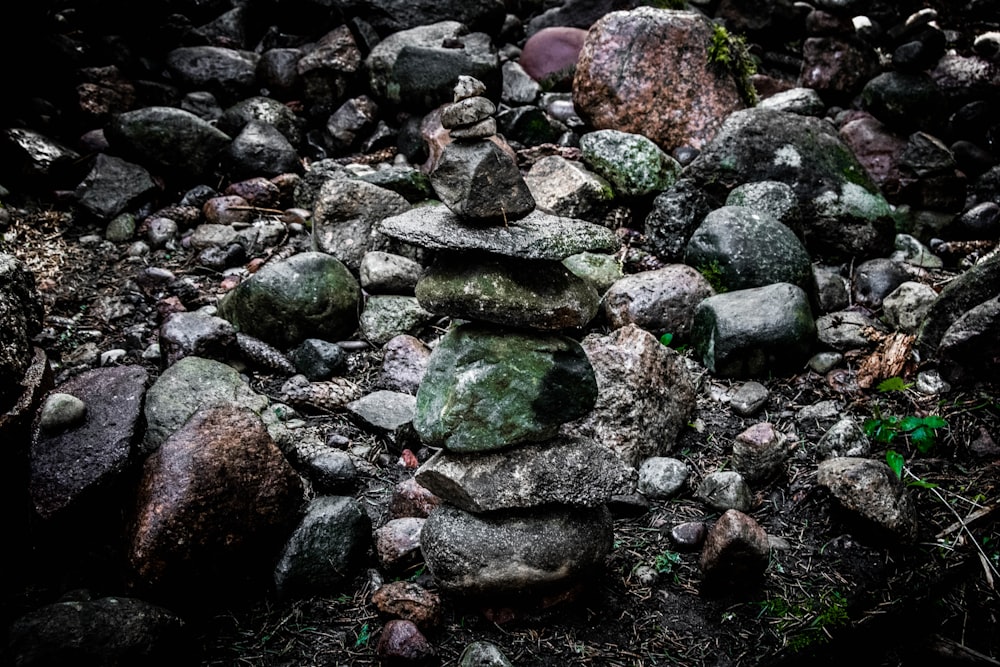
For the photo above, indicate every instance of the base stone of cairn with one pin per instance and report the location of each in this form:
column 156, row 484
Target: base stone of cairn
column 524, row 516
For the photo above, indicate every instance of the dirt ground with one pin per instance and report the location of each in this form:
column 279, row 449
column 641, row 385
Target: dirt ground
column 830, row 593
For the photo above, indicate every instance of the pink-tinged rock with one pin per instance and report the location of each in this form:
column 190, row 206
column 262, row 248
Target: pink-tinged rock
column 410, row 602
column 759, row 452
column 834, row 68
column 257, row 191
column 878, row 150
column 404, row 362
column 215, row 504
column 550, row 55
column 736, row 551
column 409, row 499
column 397, row 543
column 647, row 71
column 402, row 643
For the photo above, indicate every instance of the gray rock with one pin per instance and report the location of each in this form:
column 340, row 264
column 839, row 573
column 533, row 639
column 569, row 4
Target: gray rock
column 875, row 279
column 749, row 398
column 388, row 315
column 483, row 654
column 61, row 411
column 21, row 314
column 188, row 386
column 467, row 111
column 676, row 213
column 660, row 301
column 869, row 490
column 386, row 273
column 915, row 253
column 848, row 330
column 392, row 16
column 344, row 213
column 906, row 306
column 384, row 410
column 412, row 184
column 260, row 148
column 108, row 631
column 564, row 471
column 325, row 549
column 91, row 454
column 212, row 235
column 977, row 285
column 350, row 123
column 845, row 438
column 567, row 188
column 308, row 295
column 600, row 270
column 725, row 491
column 112, row 186
column 843, row 211
column 662, row 477
column 536, row 236
column 689, row 535
column 161, row 232
column 169, row 140
column 489, row 388
column 823, row 362
column 329, row 470
column 804, row 101
column 518, row 87
column 37, row 154
column 481, row 182
column 775, row 198
column 509, row 553
column 634, row 165
column 264, row 110
column 214, row 504
column 969, row 348
column 754, row 331
column 736, row 552
column 121, row 228
column 404, row 362
column 538, row 294
column 227, row 73
column 412, row 66
column 831, row 289
column 318, row 359
column 197, row 334
column 327, row 68
column 646, row 395
column 747, row 248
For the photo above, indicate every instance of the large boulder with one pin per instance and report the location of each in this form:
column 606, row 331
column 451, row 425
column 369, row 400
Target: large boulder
column 843, row 212
column 649, row 71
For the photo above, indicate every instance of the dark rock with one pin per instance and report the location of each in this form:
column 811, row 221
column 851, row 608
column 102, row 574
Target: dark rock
column 410, row 602
column 21, row 314
column 481, row 182
column 114, row 185
column 736, row 552
column 227, row 73
column 261, row 149
column 892, row 96
column 195, row 333
column 402, row 644
column 264, row 110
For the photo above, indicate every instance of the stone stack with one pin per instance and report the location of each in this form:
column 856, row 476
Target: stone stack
column 525, row 513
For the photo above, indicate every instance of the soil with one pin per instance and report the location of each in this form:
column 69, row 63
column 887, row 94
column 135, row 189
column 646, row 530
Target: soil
column 833, row 591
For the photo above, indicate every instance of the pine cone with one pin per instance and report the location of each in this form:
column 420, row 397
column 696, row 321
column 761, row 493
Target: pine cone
column 327, row 396
column 260, row 353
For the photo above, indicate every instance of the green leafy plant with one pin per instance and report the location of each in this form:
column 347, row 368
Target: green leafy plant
column 893, row 384
column 731, row 52
column 713, row 273
column 665, row 562
column 364, row 636
column 806, row 622
column 920, row 431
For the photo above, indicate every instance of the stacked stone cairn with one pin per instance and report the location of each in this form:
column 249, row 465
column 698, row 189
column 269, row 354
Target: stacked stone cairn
column 525, row 516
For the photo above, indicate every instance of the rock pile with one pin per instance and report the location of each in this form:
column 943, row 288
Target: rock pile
column 525, row 510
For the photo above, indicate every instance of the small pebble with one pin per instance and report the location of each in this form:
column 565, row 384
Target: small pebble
column 931, row 383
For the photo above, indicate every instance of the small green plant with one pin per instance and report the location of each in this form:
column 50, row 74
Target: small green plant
column 920, row 431
column 665, row 562
column 364, row 636
column 893, row 384
column 802, row 624
column 713, row 273
column 731, row 52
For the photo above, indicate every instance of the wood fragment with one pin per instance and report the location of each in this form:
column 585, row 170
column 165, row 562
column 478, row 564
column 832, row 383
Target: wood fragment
column 893, row 357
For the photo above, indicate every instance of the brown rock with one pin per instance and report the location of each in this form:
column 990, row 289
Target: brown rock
column 402, row 643
column 736, row 551
column 397, row 543
column 878, row 150
column 404, row 361
column 257, row 191
column 550, row 55
column 226, row 210
column 409, row 499
column 835, row 68
column 216, row 501
column 410, row 602
column 647, row 71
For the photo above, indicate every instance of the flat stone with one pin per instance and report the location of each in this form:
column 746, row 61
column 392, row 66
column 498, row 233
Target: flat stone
column 870, row 491
column 538, row 235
